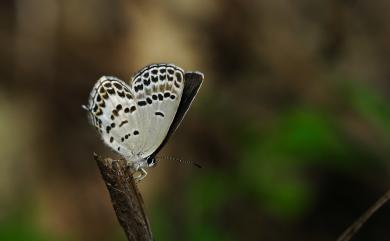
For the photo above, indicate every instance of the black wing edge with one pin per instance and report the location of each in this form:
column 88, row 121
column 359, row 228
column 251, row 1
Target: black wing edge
column 192, row 83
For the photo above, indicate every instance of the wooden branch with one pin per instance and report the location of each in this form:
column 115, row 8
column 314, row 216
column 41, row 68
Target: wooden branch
column 126, row 198
column 352, row 230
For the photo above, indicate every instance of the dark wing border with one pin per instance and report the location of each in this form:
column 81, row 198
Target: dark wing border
column 192, row 83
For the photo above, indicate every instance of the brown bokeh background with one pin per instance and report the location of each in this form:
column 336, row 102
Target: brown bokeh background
column 291, row 125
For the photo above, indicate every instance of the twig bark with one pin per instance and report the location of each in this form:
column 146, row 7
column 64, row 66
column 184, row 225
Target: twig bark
column 348, row 234
column 125, row 198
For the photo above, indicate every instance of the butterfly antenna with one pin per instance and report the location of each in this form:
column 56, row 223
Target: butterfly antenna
column 180, row 161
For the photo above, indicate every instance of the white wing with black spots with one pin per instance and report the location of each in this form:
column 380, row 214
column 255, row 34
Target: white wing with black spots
column 112, row 112
column 135, row 119
column 158, row 90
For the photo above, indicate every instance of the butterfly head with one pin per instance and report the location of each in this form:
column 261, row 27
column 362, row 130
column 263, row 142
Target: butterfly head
column 142, row 162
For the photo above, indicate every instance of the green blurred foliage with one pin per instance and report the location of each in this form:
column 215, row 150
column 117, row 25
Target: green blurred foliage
column 272, row 164
column 20, row 226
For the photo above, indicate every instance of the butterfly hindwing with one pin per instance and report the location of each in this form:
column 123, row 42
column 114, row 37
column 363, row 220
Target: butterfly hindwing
column 113, row 112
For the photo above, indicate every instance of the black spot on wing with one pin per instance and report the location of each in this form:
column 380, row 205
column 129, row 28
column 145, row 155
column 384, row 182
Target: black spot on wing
column 121, row 94
column 138, row 87
column 159, row 113
column 123, row 122
column 176, row 84
column 128, row 96
column 118, row 86
column 142, row 103
column 146, row 82
column 99, row 112
column 137, row 80
column 111, row 91
column 105, row 96
column 162, row 77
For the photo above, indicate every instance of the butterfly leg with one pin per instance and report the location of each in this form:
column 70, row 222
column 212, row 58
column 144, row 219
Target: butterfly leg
column 142, row 175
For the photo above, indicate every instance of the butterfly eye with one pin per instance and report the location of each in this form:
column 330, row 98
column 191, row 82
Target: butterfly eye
column 151, row 161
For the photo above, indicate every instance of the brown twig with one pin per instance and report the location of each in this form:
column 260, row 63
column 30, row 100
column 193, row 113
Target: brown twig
column 125, row 198
column 351, row 231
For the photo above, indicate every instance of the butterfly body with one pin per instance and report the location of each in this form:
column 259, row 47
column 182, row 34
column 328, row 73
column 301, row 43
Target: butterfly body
column 136, row 120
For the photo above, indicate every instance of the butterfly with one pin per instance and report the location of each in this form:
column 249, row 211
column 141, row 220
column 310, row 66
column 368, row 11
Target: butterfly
column 136, row 120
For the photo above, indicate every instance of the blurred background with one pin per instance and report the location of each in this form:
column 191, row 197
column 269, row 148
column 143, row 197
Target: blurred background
column 291, row 125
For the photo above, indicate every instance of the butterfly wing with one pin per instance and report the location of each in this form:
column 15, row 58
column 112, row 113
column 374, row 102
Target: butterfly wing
column 192, row 83
column 158, row 90
column 137, row 120
column 112, row 110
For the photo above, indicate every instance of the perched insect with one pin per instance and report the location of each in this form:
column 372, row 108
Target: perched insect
column 137, row 120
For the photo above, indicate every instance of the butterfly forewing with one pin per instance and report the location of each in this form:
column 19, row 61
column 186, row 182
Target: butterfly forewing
column 192, row 83
column 158, row 91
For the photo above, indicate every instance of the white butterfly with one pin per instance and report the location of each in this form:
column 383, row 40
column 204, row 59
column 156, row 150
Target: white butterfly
column 136, row 120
